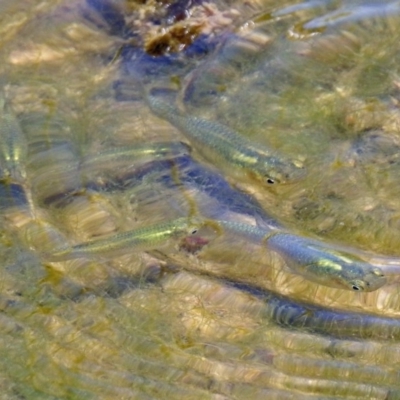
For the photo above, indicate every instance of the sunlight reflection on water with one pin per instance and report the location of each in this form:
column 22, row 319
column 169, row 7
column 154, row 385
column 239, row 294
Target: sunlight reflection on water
column 213, row 316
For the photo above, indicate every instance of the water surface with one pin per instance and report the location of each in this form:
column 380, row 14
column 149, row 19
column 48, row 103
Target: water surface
column 316, row 81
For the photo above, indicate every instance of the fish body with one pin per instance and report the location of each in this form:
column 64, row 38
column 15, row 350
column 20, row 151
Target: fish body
column 218, row 142
column 254, row 234
column 131, row 155
column 325, row 265
column 327, row 321
column 313, row 259
column 137, row 240
column 13, row 144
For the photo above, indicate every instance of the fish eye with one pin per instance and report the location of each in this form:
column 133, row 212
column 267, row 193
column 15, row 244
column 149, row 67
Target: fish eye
column 358, row 286
column 270, row 181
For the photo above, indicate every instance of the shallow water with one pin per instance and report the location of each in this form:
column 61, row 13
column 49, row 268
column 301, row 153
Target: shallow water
column 215, row 316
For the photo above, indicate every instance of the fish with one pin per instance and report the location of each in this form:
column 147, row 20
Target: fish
column 325, row 265
column 130, row 155
column 217, row 142
column 313, row 259
column 137, row 240
column 13, row 144
column 312, row 318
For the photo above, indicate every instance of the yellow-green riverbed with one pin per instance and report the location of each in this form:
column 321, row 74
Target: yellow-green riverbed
column 212, row 316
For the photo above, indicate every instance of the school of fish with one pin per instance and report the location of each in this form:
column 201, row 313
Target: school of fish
column 309, row 258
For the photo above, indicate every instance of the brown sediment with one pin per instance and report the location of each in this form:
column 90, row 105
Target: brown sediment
column 175, row 39
column 176, row 34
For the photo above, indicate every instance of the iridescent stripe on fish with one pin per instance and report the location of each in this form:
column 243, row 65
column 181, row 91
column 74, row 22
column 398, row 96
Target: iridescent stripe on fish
column 136, row 240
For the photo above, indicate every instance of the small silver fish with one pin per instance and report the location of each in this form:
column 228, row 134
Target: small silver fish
column 13, row 144
column 131, row 155
column 313, row 259
column 217, row 141
column 137, row 240
column 325, row 265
